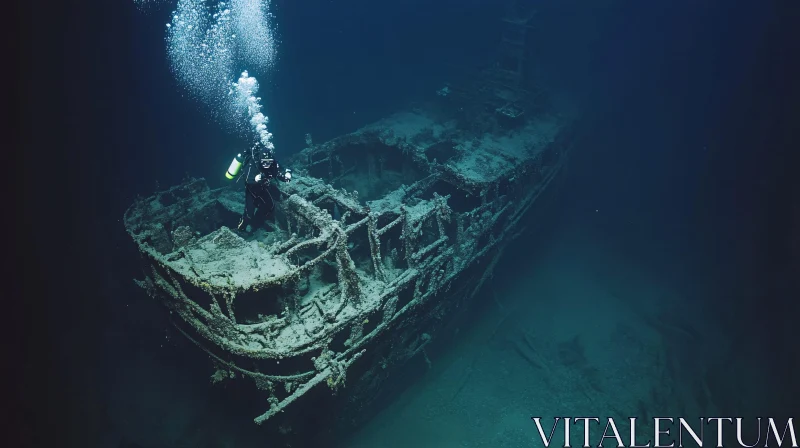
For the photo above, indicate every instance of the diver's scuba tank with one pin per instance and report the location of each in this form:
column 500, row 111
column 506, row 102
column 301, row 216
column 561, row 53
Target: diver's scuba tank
column 236, row 165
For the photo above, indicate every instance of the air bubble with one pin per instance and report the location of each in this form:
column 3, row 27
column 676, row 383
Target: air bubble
column 205, row 43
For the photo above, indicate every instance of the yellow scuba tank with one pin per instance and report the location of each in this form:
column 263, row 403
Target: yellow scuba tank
column 236, row 165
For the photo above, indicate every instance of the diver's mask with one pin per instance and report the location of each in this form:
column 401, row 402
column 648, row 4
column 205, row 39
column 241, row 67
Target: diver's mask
column 267, row 159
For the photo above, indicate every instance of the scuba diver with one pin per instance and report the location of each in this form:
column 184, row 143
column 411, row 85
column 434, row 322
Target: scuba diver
column 260, row 194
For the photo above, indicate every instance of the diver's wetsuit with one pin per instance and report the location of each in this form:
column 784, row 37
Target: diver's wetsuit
column 261, row 194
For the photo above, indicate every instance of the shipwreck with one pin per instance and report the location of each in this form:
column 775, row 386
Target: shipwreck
column 380, row 236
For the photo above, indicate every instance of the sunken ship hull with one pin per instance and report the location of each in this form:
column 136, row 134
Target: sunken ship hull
column 380, row 237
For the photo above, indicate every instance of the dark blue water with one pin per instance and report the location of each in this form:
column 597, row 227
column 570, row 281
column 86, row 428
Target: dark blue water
column 688, row 170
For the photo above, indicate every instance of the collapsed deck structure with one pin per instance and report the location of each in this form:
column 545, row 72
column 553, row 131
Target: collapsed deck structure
column 381, row 234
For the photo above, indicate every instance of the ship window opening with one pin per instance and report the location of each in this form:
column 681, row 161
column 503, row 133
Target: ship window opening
column 321, row 275
column 338, row 342
column 252, row 307
column 330, row 206
column 429, row 233
column 460, row 201
column 328, row 271
column 392, row 248
column 360, row 251
column 166, row 199
column 385, row 219
column 355, row 217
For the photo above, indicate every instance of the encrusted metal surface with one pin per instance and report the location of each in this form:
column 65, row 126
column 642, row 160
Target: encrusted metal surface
column 375, row 233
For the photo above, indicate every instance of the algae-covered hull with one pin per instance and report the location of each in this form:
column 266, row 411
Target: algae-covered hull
column 381, row 234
